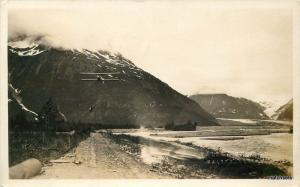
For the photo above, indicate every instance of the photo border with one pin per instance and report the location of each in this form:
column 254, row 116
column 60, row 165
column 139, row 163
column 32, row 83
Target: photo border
column 5, row 181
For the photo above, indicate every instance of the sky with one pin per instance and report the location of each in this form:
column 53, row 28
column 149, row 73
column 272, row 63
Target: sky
column 241, row 51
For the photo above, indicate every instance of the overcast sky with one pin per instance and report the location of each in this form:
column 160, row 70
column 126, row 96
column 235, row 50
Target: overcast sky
column 244, row 52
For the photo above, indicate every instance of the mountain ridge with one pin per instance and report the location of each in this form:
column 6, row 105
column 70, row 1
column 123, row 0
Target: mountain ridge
column 222, row 105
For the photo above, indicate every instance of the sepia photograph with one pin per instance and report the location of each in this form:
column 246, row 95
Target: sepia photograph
column 149, row 90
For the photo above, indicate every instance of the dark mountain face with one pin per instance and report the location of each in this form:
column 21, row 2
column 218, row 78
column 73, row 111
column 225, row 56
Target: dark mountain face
column 285, row 112
column 137, row 98
column 224, row 106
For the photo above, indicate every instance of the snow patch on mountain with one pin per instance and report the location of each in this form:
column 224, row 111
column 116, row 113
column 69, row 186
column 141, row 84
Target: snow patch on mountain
column 63, row 115
column 110, row 61
column 27, row 51
column 32, row 46
column 16, row 96
column 271, row 107
column 25, row 48
column 105, row 57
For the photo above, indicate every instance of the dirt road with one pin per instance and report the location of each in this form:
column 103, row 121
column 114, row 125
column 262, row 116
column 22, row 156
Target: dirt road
column 100, row 158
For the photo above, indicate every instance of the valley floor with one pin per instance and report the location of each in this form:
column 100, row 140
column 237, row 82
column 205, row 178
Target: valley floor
column 97, row 157
column 234, row 150
column 121, row 154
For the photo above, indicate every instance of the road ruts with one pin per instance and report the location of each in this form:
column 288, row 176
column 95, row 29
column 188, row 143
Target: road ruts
column 100, row 158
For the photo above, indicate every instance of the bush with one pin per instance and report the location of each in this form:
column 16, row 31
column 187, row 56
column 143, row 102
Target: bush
column 291, row 130
column 50, row 117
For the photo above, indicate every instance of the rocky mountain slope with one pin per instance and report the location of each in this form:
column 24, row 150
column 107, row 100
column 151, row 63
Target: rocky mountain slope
column 16, row 107
column 285, row 112
column 225, row 106
column 40, row 72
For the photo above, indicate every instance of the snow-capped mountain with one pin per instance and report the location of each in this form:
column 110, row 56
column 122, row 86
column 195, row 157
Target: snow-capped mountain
column 27, row 45
column 136, row 98
column 225, row 106
column 100, row 58
column 28, row 51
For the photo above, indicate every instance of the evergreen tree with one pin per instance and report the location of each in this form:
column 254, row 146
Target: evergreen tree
column 20, row 122
column 49, row 116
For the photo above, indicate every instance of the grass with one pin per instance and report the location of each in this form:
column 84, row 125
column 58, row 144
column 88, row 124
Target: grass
column 33, row 144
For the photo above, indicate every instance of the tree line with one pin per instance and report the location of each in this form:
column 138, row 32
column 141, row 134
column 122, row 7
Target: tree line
column 51, row 120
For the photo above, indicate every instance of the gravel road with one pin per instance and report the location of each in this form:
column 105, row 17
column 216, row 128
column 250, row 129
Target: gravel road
column 99, row 157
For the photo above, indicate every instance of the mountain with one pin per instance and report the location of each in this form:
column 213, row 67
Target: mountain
column 225, row 106
column 285, row 112
column 40, row 72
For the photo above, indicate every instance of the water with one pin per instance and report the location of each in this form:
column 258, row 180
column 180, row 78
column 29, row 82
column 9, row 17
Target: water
column 154, row 151
column 248, row 137
column 277, row 146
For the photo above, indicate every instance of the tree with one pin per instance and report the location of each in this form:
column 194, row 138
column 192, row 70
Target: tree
column 170, row 126
column 20, row 122
column 50, row 116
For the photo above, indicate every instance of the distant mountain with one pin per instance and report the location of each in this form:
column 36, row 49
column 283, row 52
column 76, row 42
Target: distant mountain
column 39, row 72
column 285, row 112
column 225, row 106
